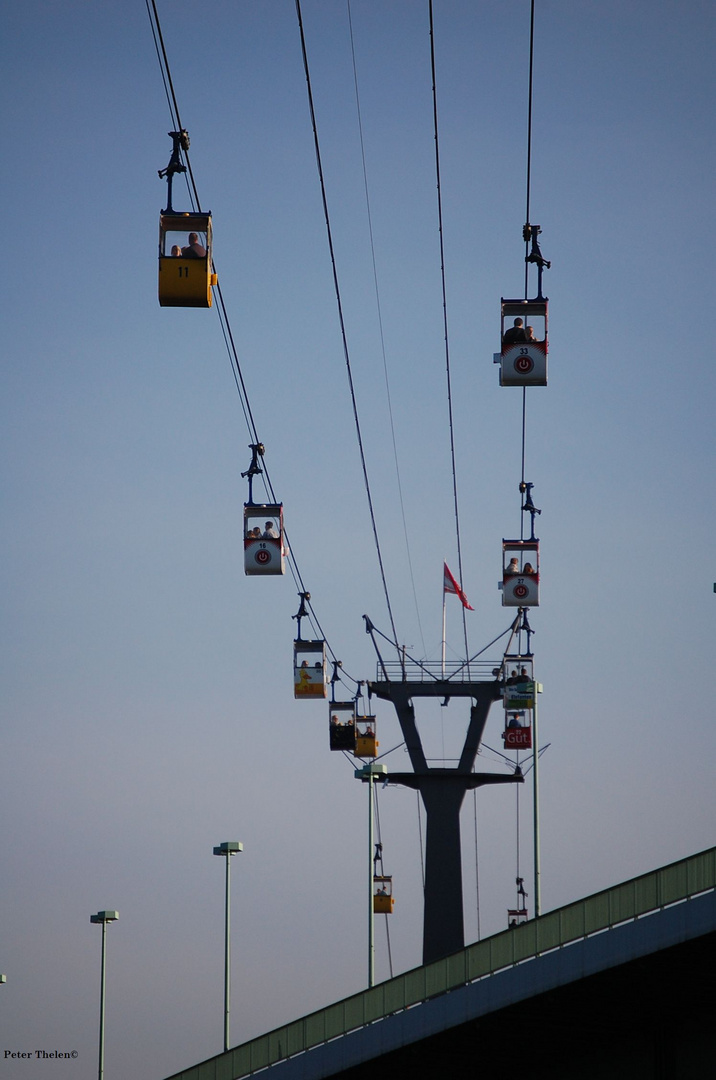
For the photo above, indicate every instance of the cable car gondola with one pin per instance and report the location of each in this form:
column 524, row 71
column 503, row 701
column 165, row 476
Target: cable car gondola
column 185, row 276
column 185, row 261
column 523, row 352
column 518, row 733
column 517, row 916
column 264, row 551
column 518, row 698
column 366, row 742
column 383, row 899
column 264, row 544
column 523, row 357
column 309, row 669
column 342, row 725
column 520, row 573
column 519, row 689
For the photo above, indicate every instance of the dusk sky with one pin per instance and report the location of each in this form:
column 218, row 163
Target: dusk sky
column 147, row 703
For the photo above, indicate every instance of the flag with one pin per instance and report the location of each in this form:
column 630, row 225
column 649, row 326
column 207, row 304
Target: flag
column 451, row 586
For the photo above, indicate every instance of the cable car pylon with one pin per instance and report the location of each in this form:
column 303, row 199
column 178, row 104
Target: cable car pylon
column 442, row 791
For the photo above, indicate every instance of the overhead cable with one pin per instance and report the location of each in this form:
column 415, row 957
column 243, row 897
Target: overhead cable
column 380, row 329
column 341, row 319
column 222, row 312
column 445, row 320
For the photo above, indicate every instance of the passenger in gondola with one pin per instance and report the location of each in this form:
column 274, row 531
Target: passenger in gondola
column 523, row 677
column 514, row 566
column 514, row 721
column 194, row 250
column 530, row 334
column 269, row 532
column 528, row 568
column 515, row 333
column 176, row 251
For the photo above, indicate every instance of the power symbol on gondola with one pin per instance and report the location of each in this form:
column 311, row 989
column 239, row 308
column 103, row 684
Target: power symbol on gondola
column 523, row 365
column 520, row 591
column 262, row 556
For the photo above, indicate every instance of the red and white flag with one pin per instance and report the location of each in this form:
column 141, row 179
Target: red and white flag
column 450, row 585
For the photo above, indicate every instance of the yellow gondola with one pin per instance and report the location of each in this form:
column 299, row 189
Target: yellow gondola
column 383, row 899
column 185, row 262
column 366, row 742
column 185, row 276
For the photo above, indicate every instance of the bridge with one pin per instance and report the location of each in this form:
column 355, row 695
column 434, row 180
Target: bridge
column 620, row 983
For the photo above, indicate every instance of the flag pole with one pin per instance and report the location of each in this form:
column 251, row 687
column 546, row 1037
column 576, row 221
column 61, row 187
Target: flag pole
column 443, row 646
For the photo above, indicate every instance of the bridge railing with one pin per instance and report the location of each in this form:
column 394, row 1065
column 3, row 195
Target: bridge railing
column 630, row 900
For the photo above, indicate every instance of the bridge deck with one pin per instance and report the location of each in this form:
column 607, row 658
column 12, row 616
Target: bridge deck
column 486, row 976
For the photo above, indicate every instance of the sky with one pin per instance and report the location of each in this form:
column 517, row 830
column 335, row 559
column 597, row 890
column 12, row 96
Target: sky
column 147, row 704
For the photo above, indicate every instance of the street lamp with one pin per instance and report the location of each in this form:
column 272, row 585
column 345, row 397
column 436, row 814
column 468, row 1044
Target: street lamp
column 103, row 917
column 227, row 849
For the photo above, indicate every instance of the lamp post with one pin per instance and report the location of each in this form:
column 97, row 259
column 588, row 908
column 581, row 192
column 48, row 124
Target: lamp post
column 535, row 811
column 103, row 917
column 227, row 849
